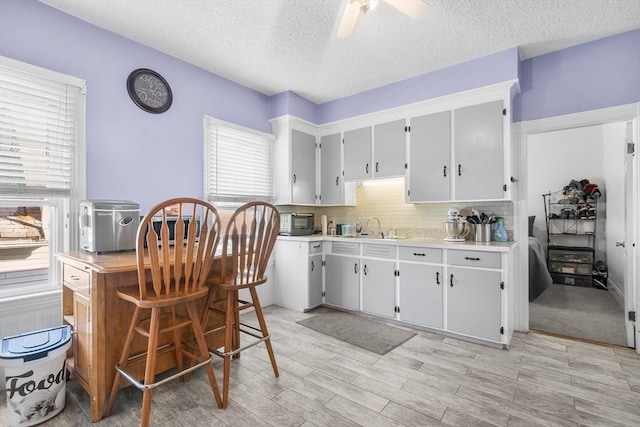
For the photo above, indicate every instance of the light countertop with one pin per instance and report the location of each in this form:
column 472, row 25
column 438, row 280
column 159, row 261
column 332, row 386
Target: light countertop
column 412, row 241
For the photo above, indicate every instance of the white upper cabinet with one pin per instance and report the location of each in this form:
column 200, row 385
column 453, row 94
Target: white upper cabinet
column 389, row 149
column 458, row 155
column 357, row 153
column 479, row 151
column 429, row 174
column 331, row 182
column 294, row 158
column 303, row 168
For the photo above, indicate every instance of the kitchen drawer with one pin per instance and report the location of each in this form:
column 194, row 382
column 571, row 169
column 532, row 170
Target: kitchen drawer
column 345, row 248
column 474, row 258
column 77, row 279
column 315, row 248
column 416, row 253
column 379, row 251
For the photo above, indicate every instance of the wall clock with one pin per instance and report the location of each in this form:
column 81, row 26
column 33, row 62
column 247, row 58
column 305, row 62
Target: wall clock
column 149, row 90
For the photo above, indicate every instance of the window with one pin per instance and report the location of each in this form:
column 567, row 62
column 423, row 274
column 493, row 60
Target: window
column 238, row 163
column 42, row 115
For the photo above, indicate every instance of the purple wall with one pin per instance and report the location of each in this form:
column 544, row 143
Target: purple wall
column 479, row 72
column 599, row 74
column 131, row 154
column 291, row 103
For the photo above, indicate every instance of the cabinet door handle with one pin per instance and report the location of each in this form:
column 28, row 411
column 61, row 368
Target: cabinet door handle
column 376, row 167
column 459, row 170
column 316, row 246
column 294, row 178
column 437, row 277
column 74, row 277
column 366, row 168
column 355, row 268
column 451, row 281
column 471, row 258
column 337, row 180
column 417, row 254
column 444, row 170
column 364, row 270
column 620, row 244
column 312, row 266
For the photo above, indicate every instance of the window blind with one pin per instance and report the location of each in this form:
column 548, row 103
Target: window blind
column 238, row 163
column 38, row 134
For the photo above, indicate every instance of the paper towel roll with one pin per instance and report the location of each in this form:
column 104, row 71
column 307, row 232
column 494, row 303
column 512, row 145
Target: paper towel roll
column 323, row 220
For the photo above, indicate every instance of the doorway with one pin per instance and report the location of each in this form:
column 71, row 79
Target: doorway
column 597, row 119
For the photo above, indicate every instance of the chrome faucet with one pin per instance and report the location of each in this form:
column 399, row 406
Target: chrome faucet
column 380, row 233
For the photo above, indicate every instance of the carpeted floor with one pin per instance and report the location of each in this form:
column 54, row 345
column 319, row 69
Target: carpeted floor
column 353, row 329
column 585, row 313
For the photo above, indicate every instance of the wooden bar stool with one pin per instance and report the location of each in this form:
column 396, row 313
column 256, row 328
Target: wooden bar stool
column 249, row 239
column 178, row 275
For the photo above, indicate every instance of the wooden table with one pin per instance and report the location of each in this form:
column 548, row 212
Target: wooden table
column 100, row 320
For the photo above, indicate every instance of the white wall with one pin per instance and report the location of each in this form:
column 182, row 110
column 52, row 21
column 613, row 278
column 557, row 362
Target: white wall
column 613, row 161
column 554, row 159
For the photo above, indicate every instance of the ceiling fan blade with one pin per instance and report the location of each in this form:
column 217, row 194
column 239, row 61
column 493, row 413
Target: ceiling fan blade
column 416, row 9
column 349, row 19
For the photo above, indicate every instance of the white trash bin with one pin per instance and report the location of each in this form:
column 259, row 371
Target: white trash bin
column 34, row 366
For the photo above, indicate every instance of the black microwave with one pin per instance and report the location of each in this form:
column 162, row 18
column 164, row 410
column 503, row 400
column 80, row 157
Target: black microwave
column 296, row 224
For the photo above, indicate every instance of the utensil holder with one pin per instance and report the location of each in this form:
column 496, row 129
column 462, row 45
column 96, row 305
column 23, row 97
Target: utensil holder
column 482, row 232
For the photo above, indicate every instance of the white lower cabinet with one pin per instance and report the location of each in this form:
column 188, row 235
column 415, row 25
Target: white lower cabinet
column 461, row 291
column 378, row 287
column 342, row 281
column 474, row 302
column 315, row 280
column 420, row 299
column 298, row 274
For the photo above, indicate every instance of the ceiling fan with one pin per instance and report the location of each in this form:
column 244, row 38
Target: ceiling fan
column 413, row 8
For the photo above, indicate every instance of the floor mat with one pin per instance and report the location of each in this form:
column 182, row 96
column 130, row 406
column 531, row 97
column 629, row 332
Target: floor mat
column 365, row 333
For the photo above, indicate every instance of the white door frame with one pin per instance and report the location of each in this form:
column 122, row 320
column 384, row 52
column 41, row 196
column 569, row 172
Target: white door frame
column 520, row 135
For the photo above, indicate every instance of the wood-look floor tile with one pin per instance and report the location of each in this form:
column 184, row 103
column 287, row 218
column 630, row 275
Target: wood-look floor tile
column 510, row 408
column 408, row 417
column 323, row 365
column 608, row 413
column 308, row 348
column 623, row 393
column 362, row 397
column 423, row 403
column 302, row 387
column 283, row 363
column 264, row 408
column 579, row 393
column 453, row 417
column 342, row 348
column 358, row 414
column 430, row 363
column 404, row 359
column 430, row 378
column 379, row 374
column 312, row 410
column 458, row 403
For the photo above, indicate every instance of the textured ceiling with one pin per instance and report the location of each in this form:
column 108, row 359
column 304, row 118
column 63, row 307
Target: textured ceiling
column 278, row 45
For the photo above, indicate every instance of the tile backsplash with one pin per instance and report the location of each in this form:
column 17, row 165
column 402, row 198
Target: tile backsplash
column 385, row 201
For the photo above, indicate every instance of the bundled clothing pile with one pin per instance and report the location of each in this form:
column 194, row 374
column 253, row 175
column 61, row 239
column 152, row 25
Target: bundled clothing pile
column 581, row 191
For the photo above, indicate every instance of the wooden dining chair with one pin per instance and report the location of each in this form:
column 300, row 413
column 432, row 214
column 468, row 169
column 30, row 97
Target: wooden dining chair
column 247, row 245
column 175, row 248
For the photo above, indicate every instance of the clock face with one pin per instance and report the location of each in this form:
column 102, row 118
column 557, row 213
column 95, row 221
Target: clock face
column 149, row 91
